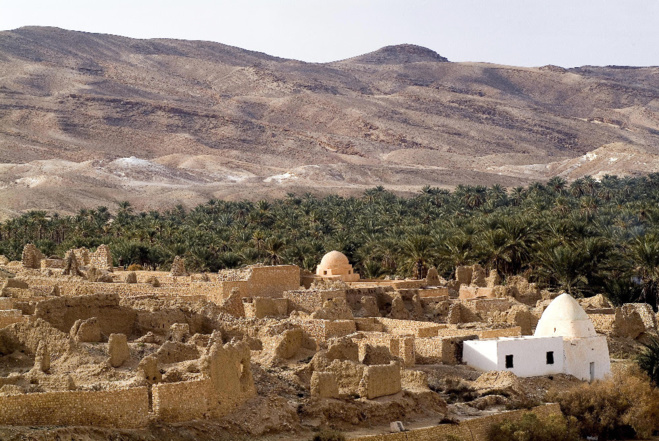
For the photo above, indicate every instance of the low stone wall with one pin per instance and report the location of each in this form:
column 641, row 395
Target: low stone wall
column 515, row 331
column 260, row 281
column 261, row 307
column 434, row 292
column 52, row 263
column 311, row 300
column 446, row 350
column 411, row 327
column 474, row 429
column 184, row 401
column 398, row 346
column 11, row 316
column 127, row 408
column 603, row 323
column 380, row 381
column 323, row 330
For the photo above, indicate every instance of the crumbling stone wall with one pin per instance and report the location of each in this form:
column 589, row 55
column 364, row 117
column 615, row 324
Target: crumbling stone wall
column 310, row 300
column 410, row 327
column 178, row 267
column 31, row 257
column 323, row 330
column 11, row 316
column 62, row 313
column 125, row 408
column 380, row 381
column 258, row 281
column 446, row 350
column 83, row 256
column 324, row 385
column 260, row 307
column 102, row 258
column 184, row 401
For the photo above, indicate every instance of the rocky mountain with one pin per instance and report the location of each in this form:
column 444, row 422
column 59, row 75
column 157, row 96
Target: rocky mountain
column 89, row 119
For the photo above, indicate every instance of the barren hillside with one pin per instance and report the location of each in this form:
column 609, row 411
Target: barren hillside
column 89, row 119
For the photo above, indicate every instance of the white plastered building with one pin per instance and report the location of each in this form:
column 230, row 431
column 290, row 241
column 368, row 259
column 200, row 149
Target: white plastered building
column 565, row 342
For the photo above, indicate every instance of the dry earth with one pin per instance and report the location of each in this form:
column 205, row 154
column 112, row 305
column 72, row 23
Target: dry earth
column 89, row 119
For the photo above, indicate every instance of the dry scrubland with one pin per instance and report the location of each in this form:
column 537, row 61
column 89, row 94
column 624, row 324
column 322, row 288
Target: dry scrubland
column 276, row 352
column 89, row 119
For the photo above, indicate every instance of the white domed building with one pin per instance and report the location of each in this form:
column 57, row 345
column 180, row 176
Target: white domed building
column 335, row 265
column 565, row 342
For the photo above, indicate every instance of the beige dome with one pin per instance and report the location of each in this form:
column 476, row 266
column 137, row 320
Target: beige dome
column 334, row 259
column 564, row 317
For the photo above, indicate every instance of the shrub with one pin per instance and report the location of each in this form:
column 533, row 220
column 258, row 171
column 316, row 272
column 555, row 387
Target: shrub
column 648, row 359
column 532, row 428
column 134, row 267
column 328, row 435
column 625, row 405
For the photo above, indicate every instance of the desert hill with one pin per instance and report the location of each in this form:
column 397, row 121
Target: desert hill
column 90, row 119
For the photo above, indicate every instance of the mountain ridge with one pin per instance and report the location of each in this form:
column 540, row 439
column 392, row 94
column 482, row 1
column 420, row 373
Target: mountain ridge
column 221, row 121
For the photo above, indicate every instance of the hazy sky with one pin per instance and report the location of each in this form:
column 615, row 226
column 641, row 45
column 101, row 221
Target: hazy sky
column 516, row 32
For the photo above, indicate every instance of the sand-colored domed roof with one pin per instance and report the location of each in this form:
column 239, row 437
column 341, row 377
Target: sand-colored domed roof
column 566, row 318
column 334, row 259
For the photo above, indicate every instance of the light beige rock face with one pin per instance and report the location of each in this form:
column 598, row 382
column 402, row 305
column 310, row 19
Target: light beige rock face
column 118, row 349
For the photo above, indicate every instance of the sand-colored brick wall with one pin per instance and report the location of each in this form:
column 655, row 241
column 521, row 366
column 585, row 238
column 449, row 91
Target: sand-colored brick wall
column 261, row 307
column 411, row 327
column 603, row 323
column 11, row 316
column 380, row 381
column 311, row 300
column 325, row 329
column 514, row 331
column 52, row 263
column 434, row 292
column 184, row 401
column 126, row 408
column 474, row 429
column 262, row 281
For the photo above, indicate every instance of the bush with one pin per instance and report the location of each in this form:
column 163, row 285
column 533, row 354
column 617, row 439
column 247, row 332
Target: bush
column 328, row 435
column 134, row 267
column 532, row 428
column 648, row 359
column 625, row 405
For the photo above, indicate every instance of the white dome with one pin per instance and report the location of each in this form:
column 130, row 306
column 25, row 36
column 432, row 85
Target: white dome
column 564, row 317
column 334, row 259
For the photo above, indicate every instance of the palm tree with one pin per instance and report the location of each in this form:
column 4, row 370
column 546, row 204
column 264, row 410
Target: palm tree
column 648, row 359
column 645, row 256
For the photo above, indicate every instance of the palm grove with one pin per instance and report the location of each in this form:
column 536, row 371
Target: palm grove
column 587, row 237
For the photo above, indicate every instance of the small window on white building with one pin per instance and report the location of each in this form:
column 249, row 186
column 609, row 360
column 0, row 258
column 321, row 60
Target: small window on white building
column 324, row 273
column 550, row 357
column 509, row 361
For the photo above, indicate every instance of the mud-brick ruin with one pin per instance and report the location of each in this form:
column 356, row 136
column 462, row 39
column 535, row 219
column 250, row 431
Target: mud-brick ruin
column 272, row 349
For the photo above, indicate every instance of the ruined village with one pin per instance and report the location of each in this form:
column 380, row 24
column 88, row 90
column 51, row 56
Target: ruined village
column 276, row 351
